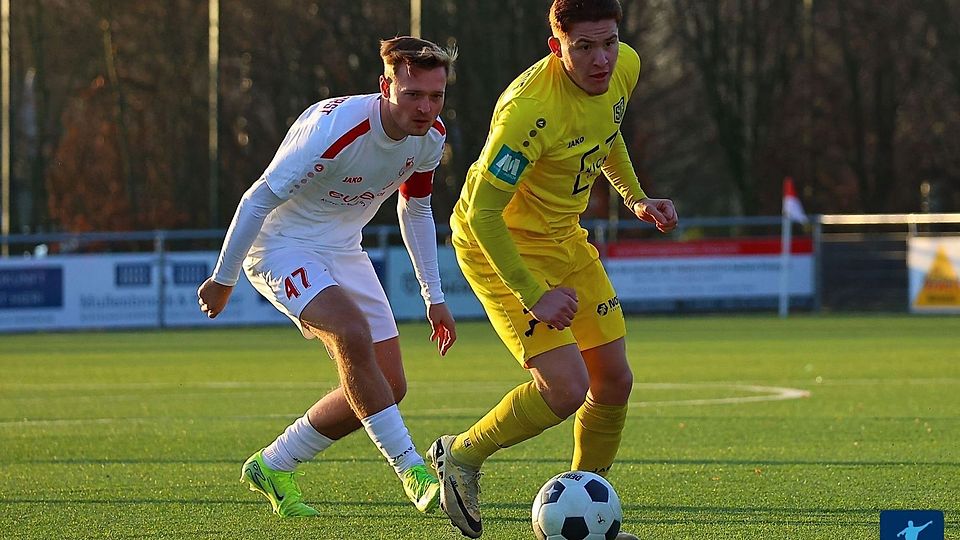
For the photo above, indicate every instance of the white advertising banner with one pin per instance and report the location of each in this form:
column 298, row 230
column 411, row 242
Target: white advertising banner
column 122, row 290
column 403, row 289
column 713, row 270
column 933, row 264
column 649, row 276
column 118, row 291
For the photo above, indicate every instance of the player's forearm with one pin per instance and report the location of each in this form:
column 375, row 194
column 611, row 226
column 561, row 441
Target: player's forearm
column 620, row 172
column 254, row 206
column 490, row 230
column 420, row 236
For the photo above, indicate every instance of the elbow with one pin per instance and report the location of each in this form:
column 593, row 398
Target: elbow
column 416, row 207
column 476, row 218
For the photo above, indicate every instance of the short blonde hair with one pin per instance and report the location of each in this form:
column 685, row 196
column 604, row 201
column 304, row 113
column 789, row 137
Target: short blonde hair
column 414, row 52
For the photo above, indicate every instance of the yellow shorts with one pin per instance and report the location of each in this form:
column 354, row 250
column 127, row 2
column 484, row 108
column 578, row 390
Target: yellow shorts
column 572, row 263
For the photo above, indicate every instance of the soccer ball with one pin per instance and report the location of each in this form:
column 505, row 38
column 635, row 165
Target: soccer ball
column 577, row 505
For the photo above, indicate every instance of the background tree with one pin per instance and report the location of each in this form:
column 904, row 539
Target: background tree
column 859, row 102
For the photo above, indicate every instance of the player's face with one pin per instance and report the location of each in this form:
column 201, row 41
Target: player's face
column 589, row 53
column 414, row 99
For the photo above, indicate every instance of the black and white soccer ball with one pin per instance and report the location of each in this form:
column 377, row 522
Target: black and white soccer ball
column 577, row 505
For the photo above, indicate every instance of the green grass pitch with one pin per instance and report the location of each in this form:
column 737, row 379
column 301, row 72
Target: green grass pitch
column 141, row 434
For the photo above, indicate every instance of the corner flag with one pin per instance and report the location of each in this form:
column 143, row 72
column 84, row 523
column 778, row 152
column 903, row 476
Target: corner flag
column 792, row 211
column 792, row 208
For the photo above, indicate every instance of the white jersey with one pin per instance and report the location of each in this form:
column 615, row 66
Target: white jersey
column 334, row 169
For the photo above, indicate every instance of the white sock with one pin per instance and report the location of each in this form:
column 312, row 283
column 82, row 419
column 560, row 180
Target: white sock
column 298, row 443
column 387, row 430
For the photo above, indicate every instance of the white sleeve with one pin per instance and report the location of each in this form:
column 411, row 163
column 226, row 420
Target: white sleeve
column 420, row 236
column 254, row 206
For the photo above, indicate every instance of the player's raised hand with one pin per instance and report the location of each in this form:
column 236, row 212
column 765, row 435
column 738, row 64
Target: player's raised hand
column 659, row 212
column 556, row 307
column 443, row 327
column 213, row 297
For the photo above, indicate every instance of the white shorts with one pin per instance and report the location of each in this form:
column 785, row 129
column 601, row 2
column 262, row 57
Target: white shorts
column 291, row 277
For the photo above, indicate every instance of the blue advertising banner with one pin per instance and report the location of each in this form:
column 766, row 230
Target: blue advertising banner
column 25, row 287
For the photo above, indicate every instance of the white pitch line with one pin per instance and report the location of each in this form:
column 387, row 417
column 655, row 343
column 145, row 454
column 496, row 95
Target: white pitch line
column 769, row 393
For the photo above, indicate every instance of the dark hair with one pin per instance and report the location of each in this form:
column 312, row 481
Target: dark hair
column 411, row 51
column 564, row 13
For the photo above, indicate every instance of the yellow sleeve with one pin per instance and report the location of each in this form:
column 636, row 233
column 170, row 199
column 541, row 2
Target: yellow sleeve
column 618, row 167
column 485, row 218
column 514, row 143
column 619, row 171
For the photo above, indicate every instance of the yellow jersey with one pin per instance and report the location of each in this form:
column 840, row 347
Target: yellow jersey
column 548, row 142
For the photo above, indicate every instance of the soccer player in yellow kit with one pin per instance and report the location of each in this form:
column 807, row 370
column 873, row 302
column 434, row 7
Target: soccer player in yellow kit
column 520, row 245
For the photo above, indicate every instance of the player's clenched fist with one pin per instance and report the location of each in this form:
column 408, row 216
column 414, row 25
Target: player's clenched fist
column 213, row 297
column 659, row 212
column 556, row 307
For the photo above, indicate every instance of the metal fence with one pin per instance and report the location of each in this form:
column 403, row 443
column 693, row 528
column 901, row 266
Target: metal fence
column 860, row 260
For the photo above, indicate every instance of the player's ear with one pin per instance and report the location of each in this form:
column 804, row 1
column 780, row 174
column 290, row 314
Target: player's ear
column 554, row 43
column 385, row 87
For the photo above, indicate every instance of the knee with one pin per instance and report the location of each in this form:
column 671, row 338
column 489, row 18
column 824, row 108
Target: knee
column 613, row 387
column 352, row 343
column 622, row 382
column 399, row 387
column 567, row 396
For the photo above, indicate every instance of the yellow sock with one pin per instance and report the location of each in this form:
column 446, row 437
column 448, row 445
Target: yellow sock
column 596, row 436
column 520, row 415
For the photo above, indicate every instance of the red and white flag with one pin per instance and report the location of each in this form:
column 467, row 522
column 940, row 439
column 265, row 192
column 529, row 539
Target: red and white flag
column 791, row 204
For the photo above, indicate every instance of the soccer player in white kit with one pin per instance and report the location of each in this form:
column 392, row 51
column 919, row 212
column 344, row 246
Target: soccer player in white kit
column 297, row 232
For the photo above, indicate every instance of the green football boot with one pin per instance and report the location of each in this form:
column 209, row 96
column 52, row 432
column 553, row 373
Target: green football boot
column 277, row 486
column 422, row 488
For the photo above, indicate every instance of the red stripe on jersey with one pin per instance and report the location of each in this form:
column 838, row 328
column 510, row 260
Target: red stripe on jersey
column 347, row 138
column 438, row 125
column 418, row 185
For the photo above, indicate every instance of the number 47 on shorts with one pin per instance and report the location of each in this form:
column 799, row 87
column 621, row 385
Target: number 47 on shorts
column 290, row 288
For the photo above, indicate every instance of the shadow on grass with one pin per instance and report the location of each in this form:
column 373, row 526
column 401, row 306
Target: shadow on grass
column 505, row 512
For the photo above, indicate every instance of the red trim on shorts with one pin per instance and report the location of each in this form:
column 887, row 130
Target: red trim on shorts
column 420, row 184
column 347, row 138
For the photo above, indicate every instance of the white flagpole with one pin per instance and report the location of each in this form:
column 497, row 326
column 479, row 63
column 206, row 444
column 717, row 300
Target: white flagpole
column 786, row 233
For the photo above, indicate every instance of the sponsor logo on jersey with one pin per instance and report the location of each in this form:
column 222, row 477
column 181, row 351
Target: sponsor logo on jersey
column 579, row 140
column 329, row 106
column 353, row 180
column 618, row 109
column 343, row 199
column 606, row 307
column 508, row 165
column 406, row 166
column 358, row 199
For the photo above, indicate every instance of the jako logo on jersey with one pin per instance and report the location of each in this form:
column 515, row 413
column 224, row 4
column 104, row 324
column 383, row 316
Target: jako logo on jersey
column 618, row 110
column 353, row 180
column 508, row 165
column 406, row 167
column 575, row 142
